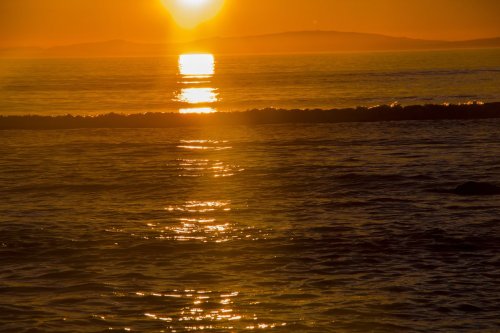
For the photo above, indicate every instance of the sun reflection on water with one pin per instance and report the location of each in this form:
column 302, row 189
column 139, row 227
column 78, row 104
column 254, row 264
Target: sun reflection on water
column 198, row 220
column 197, row 110
column 197, row 95
column 200, row 310
column 197, row 65
column 196, row 71
column 202, row 216
column 204, row 145
column 199, row 167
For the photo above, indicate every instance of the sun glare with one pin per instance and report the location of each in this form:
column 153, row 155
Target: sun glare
column 193, row 3
column 190, row 13
column 197, row 95
column 196, row 71
column 197, row 65
column 204, row 110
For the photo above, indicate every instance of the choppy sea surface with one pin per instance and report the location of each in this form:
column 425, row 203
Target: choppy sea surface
column 238, row 83
column 275, row 228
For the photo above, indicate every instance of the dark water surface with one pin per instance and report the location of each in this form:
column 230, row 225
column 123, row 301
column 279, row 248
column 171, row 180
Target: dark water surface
column 286, row 228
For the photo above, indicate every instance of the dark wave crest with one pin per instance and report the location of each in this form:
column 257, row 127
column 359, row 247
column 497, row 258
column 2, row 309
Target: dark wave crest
column 471, row 110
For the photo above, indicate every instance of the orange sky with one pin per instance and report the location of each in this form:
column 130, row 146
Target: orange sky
column 55, row 22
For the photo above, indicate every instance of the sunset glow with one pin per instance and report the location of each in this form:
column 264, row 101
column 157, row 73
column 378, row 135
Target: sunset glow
column 190, row 13
column 193, row 3
column 47, row 23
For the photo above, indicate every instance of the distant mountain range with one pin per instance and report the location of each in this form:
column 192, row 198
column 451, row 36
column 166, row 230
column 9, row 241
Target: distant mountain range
column 288, row 42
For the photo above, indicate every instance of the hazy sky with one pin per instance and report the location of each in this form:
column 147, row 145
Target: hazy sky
column 54, row 22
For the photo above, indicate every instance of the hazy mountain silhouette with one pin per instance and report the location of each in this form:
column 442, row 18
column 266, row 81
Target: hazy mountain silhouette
column 288, row 42
column 330, row 41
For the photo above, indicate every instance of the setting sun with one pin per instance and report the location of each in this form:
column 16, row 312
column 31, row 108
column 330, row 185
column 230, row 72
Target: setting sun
column 193, row 3
column 190, row 13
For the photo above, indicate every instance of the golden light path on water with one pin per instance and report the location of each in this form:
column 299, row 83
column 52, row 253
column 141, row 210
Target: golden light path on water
column 197, row 65
column 197, row 110
column 196, row 72
column 198, row 95
column 206, row 310
column 202, row 220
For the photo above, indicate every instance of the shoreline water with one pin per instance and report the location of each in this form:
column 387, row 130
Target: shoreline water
column 380, row 227
column 471, row 110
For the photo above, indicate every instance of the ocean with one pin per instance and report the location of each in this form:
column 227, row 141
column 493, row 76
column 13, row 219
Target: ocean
column 347, row 227
column 239, row 83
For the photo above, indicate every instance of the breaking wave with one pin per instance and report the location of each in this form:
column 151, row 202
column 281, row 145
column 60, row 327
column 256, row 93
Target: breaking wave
column 393, row 112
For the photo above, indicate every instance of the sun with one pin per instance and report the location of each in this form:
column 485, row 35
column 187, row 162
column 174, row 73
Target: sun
column 190, row 13
column 193, row 3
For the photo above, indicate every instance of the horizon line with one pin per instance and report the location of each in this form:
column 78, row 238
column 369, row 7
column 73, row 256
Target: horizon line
column 239, row 37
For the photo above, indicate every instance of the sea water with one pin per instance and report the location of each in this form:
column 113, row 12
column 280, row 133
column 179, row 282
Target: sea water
column 238, row 83
column 286, row 228
column 275, row 228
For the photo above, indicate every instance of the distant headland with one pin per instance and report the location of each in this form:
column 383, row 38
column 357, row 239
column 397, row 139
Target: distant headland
column 287, row 42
